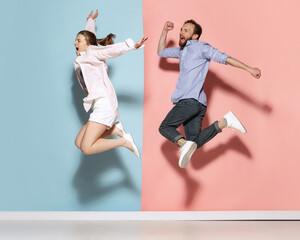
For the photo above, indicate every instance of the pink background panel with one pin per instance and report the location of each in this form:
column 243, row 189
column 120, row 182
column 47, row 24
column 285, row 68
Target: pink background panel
column 256, row 171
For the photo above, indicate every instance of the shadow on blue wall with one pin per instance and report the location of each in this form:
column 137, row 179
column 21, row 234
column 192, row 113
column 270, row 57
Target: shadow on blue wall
column 89, row 177
column 92, row 171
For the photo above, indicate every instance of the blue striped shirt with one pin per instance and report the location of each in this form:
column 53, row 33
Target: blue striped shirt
column 194, row 61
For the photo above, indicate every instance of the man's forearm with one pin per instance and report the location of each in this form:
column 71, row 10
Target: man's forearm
column 255, row 72
column 162, row 41
column 236, row 63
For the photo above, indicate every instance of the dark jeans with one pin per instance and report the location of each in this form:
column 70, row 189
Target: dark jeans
column 190, row 113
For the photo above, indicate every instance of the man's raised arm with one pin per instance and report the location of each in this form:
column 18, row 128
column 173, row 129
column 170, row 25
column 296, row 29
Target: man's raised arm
column 163, row 37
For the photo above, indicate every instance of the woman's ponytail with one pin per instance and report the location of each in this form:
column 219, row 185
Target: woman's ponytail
column 107, row 41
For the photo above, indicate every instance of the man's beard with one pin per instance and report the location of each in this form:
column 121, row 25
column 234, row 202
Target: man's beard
column 182, row 45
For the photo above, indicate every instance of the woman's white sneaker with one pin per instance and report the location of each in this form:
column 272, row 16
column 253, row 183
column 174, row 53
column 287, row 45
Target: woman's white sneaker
column 129, row 138
column 120, row 126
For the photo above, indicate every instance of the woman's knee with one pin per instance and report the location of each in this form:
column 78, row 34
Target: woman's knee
column 85, row 149
column 77, row 143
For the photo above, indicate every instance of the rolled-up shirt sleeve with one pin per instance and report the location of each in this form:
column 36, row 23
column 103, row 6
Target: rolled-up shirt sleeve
column 90, row 25
column 130, row 43
column 170, row 53
column 212, row 53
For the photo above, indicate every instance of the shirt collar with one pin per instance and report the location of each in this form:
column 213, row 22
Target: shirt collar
column 189, row 42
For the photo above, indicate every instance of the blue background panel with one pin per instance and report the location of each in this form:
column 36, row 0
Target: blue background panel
column 42, row 112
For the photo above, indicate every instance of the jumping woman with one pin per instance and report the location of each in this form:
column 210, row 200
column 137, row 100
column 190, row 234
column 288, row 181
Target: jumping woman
column 91, row 70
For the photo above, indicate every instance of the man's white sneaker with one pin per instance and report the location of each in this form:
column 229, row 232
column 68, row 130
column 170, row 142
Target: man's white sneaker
column 187, row 151
column 121, row 127
column 234, row 123
column 129, row 138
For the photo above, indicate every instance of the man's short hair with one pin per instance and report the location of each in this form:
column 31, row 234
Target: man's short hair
column 197, row 28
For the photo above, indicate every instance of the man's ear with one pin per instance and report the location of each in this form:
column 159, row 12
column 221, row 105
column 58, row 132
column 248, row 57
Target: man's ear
column 195, row 36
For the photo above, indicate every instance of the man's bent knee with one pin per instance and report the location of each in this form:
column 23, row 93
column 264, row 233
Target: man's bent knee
column 161, row 129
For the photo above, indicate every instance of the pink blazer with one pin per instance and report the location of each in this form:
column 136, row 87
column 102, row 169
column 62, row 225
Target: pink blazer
column 94, row 69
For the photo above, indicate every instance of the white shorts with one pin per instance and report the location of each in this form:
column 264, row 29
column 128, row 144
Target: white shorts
column 104, row 112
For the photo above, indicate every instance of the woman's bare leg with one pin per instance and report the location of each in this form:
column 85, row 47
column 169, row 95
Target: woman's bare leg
column 94, row 142
column 80, row 136
column 113, row 131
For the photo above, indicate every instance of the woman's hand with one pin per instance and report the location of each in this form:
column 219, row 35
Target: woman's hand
column 140, row 43
column 93, row 16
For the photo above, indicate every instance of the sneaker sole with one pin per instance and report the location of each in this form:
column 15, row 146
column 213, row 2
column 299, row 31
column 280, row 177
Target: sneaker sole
column 187, row 157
